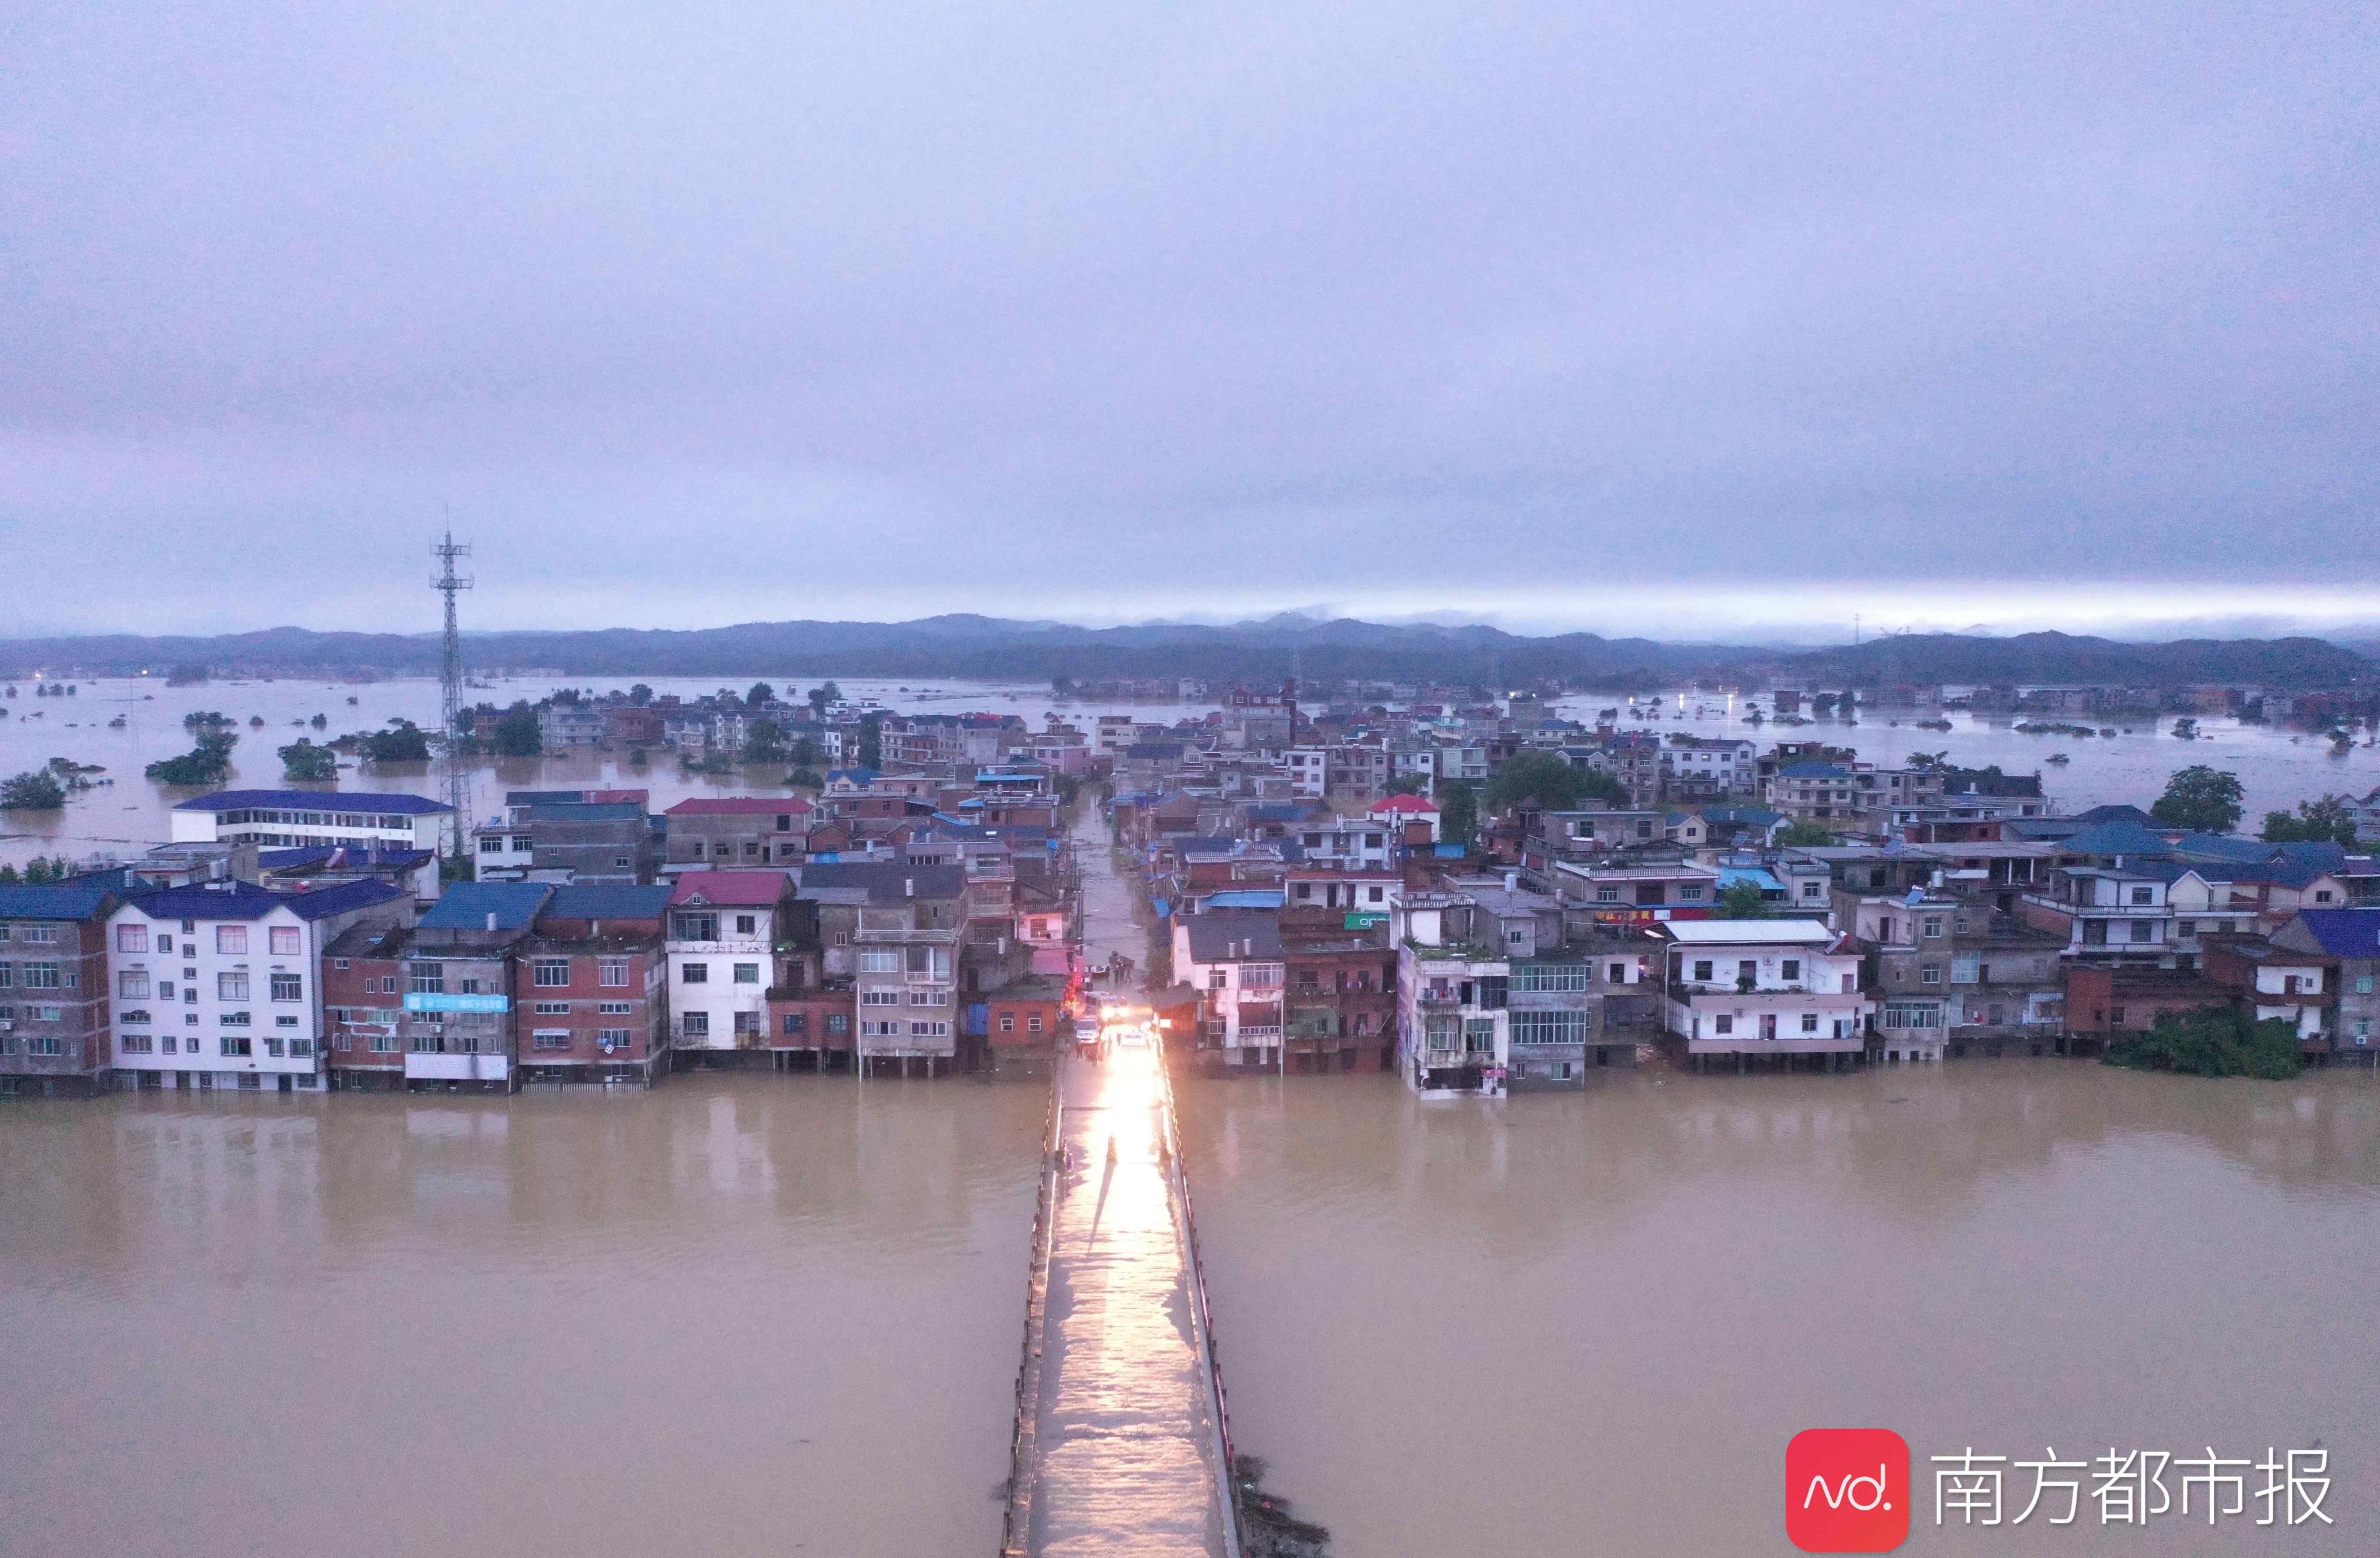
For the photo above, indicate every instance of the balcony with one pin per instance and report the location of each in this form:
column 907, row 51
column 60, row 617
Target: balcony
column 940, row 935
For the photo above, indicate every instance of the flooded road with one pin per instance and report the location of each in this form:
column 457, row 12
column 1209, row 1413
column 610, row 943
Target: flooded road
column 738, row 1314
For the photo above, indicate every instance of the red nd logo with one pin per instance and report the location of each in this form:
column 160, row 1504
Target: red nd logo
column 1847, row 1490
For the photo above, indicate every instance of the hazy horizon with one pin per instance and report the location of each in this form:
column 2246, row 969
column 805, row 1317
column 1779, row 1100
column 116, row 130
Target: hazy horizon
column 1700, row 322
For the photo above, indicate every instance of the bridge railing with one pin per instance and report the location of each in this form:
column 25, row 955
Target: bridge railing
column 1202, row 1317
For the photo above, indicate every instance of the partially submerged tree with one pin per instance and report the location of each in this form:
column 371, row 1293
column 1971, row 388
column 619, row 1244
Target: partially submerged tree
column 2200, row 799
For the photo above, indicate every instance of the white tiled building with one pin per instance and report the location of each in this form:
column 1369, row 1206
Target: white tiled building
column 218, row 986
column 284, row 818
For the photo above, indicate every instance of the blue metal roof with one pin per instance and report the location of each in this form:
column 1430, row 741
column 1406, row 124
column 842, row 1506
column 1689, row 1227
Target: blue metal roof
column 620, row 902
column 76, row 902
column 2344, row 933
column 313, row 801
column 246, row 901
column 1246, row 898
column 467, row 905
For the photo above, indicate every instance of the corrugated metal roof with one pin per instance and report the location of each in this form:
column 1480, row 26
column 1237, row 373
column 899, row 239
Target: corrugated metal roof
column 467, row 905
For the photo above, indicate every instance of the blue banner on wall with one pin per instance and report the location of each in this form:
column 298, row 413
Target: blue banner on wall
column 419, row 1001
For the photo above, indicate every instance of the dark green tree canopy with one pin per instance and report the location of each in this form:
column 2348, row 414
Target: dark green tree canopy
column 1552, row 782
column 2201, row 799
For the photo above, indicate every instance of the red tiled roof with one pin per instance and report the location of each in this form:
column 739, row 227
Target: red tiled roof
column 1403, row 803
column 740, row 806
column 739, row 889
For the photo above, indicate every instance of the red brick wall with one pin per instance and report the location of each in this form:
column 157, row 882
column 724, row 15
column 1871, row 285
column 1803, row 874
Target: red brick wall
column 815, row 1009
column 1019, row 1016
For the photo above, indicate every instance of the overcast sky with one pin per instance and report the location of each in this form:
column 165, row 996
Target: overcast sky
column 1661, row 316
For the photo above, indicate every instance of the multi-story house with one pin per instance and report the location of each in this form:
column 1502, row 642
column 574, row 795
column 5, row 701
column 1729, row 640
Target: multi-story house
column 218, row 984
column 2106, row 915
column 566, row 727
column 1453, row 1029
column 602, row 843
column 896, row 931
column 594, row 970
column 723, row 832
column 1775, row 990
column 1350, row 843
column 2270, row 982
column 1339, row 1002
column 1638, row 894
column 1235, row 961
column 1591, row 832
column 724, row 931
column 462, row 996
column 2350, row 939
column 286, row 818
column 1699, row 768
column 54, row 1031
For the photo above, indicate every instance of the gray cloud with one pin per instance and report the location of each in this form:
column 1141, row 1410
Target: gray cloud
column 704, row 312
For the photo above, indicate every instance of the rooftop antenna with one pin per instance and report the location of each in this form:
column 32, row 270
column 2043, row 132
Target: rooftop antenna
column 450, row 691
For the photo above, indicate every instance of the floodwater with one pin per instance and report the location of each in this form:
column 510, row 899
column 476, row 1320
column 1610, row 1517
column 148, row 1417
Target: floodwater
column 2277, row 767
column 738, row 1314
column 1590, row 1323
column 770, row 1314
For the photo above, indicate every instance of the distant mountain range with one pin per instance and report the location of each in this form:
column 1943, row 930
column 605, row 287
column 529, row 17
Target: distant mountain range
column 964, row 645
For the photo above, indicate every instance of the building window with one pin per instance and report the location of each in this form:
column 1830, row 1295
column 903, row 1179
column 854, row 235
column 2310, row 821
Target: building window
column 1929, row 974
column 695, row 973
column 424, row 979
column 1790, row 969
column 696, row 927
column 1931, row 926
column 549, row 1038
column 288, row 987
column 879, row 961
column 2144, row 930
column 231, row 987
column 284, row 940
column 133, row 985
column 1033, row 1024
column 550, row 973
column 612, row 1038
column 612, row 1008
column 550, row 1008
column 232, row 940
column 611, row 973
column 1550, row 1027
column 797, row 1024
column 747, row 973
column 128, row 938
column 748, row 1024
column 880, row 998
column 1809, row 1022
column 2142, row 897
column 1722, row 1024
column 694, row 1024
column 1702, row 972
column 233, row 1046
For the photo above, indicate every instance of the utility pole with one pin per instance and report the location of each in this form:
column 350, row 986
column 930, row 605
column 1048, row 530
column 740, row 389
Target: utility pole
column 450, row 692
